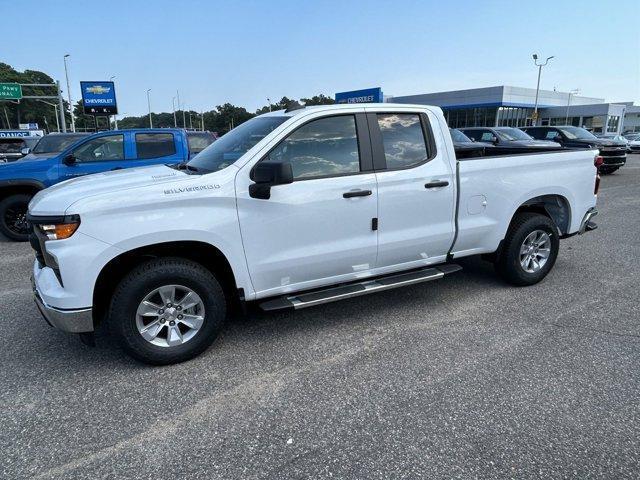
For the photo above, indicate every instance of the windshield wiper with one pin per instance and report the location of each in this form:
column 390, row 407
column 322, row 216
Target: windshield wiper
column 185, row 166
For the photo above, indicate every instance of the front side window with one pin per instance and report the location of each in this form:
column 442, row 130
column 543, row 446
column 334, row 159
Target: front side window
column 101, row 149
column 403, row 139
column 321, row 148
column 155, row 145
column 512, row 134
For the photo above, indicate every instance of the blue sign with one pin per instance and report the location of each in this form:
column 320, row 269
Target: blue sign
column 99, row 98
column 369, row 95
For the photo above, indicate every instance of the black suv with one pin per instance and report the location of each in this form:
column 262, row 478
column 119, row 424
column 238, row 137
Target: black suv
column 613, row 152
column 508, row 140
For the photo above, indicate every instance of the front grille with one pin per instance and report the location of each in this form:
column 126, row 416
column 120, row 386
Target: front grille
column 37, row 247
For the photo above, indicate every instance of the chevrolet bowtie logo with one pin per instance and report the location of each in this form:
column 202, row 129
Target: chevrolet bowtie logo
column 98, row 89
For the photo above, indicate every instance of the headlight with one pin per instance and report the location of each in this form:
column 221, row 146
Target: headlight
column 59, row 228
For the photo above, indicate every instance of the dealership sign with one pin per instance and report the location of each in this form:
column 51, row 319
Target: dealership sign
column 99, row 98
column 369, row 95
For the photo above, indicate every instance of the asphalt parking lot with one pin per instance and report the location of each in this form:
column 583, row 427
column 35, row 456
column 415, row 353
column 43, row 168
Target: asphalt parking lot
column 462, row 378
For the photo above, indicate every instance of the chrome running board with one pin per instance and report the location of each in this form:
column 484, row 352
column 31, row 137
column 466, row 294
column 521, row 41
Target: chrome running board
column 356, row 289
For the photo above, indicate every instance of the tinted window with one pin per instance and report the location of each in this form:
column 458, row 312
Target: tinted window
column 11, row 145
column 231, row 146
column 479, row 135
column 458, row 136
column 199, row 141
column 551, row 135
column 324, row 147
column 512, row 134
column 154, row 145
column 403, row 139
column 101, row 149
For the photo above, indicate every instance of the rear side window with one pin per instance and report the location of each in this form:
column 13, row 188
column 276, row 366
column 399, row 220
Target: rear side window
column 537, row 133
column 154, row 145
column 551, row 134
column 403, row 139
column 321, row 148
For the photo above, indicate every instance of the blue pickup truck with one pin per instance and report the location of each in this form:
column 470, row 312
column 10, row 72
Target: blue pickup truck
column 101, row 152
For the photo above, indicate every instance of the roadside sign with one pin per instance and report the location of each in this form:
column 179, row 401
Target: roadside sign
column 369, row 95
column 21, row 133
column 28, row 126
column 99, row 98
column 10, row 91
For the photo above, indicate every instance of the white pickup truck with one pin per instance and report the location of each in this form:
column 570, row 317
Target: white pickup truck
column 293, row 209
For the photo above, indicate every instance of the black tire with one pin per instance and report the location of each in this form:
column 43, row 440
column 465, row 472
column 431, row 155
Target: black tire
column 508, row 263
column 154, row 274
column 13, row 217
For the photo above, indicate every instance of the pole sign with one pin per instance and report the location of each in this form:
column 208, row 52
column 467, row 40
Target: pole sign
column 10, row 91
column 99, row 98
column 369, row 95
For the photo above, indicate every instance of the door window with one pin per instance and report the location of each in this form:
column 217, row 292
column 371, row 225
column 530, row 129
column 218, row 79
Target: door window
column 154, row 145
column 321, row 148
column 101, row 149
column 403, row 139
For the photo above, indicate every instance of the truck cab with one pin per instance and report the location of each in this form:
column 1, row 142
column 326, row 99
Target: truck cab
column 97, row 153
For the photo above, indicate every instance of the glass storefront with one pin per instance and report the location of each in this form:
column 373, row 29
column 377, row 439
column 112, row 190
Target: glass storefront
column 488, row 117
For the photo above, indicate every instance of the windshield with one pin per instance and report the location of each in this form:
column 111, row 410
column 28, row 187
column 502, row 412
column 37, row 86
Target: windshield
column 512, row 134
column 573, row 133
column 55, row 143
column 458, row 136
column 231, row 146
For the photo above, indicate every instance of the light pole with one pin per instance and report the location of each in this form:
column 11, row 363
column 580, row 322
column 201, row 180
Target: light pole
column 539, row 65
column 184, row 118
column 149, row 105
column 56, row 108
column 572, row 92
column 202, row 120
column 269, row 101
column 173, row 105
column 190, row 121
column 66, row 74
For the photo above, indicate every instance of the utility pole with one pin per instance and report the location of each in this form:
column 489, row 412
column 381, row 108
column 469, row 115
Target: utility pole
column 173, row 105
column 184, row 118
column 61, row 107
column 56, row 110
column 539, row 65
column 149, row 105
column 572, row 92
column 190, row 121
column 202, row 120
column 66, row 73
column 269, row 100
column 115, row 120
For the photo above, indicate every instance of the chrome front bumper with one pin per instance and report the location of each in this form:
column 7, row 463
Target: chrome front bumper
column 71, row 321
column 587, row 225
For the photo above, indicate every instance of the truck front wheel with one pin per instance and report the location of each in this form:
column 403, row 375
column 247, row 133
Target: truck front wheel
column 529, row 250
column 13, row 217
column 167, row 310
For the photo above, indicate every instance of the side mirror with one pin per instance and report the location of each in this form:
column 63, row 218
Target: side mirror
column 69, row 160
column 25, row 151
column 269, row 174
column 494, row 140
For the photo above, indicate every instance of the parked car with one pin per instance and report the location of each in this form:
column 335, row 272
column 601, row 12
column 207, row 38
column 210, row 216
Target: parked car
column 100, row 152
column 15, row 148
column 198, row 141
column 613, row 153
column 465, row 147
column 634, row 143
column 508, row 140
column 54, row 143
column 292, row 209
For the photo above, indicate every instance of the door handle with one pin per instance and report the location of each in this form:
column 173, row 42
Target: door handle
column 436, row 184
column 357, row 193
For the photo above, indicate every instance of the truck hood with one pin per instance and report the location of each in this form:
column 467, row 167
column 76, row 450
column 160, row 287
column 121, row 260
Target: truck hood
column 599, row 142
column 57, row 199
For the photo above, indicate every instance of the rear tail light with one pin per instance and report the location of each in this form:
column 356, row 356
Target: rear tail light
column 598, row 161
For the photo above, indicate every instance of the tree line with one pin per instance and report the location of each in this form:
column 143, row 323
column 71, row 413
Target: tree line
column 220, row 119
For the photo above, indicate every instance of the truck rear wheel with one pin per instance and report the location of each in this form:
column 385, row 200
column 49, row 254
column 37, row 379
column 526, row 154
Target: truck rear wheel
column 529, row 250
column 13, row 217
column 167, row 310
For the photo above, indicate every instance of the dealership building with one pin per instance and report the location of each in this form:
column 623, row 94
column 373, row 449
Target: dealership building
column 514, row 106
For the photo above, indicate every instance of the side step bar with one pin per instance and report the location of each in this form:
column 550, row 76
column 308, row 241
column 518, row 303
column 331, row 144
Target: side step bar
column 332, row 294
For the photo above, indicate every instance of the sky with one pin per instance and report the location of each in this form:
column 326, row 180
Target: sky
column 244, row 52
